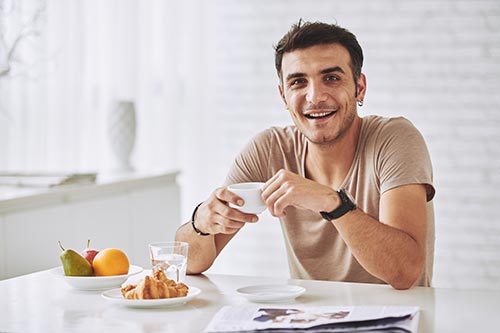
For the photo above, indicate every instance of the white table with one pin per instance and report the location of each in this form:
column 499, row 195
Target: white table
column 41, row 302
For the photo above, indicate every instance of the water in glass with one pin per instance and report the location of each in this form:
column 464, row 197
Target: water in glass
column 173, row 264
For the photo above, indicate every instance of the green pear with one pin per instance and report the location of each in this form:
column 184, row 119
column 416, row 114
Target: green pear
column 74, row 264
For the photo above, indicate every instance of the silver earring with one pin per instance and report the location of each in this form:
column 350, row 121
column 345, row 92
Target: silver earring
column 360, row 103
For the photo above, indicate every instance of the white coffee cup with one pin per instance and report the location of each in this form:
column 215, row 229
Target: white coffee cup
column 251, row 194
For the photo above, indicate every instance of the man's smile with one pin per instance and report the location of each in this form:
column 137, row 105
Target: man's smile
column 319, row 114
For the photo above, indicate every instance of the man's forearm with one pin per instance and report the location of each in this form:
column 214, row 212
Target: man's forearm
column 384, row 251
column 202, row 251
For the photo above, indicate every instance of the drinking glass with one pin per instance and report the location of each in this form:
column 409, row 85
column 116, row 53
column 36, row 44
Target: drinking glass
column 171, row 257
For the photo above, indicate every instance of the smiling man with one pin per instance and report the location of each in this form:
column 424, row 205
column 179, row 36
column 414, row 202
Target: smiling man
column 353, row 194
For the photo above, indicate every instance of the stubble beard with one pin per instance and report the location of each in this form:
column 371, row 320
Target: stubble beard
column 328, row 141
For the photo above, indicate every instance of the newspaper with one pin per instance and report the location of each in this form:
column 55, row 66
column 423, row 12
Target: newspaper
column 259, row 318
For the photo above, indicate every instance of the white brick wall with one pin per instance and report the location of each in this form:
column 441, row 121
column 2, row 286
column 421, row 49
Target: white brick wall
column 436, row 62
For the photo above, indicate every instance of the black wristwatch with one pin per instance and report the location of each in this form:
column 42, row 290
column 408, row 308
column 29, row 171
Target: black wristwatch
column 347, row 204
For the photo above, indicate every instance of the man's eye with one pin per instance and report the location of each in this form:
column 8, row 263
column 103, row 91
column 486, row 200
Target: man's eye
column 297, row 82
column 332, row 78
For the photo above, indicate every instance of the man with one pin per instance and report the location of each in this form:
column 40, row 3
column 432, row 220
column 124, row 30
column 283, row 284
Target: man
column 353, row 194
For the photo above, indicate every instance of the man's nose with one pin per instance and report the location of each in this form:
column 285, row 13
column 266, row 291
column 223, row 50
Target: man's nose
column 316, row 93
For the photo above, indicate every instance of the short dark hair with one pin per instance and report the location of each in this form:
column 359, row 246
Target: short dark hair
column 306, row 34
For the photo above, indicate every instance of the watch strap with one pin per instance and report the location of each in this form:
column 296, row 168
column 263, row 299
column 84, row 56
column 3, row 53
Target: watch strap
column 346, row 205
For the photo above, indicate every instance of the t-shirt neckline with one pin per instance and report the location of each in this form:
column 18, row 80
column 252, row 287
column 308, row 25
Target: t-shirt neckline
column 355, row 160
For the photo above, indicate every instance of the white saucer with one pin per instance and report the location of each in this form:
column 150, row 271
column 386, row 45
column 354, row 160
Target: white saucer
column 115, row 296
column 271, row 292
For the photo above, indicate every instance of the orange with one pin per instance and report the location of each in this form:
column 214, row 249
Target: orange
column 110, row 262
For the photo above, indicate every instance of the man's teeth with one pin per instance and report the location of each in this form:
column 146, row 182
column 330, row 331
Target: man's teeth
column 318, row 115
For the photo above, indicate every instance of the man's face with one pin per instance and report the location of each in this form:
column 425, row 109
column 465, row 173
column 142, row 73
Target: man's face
column 319, row 91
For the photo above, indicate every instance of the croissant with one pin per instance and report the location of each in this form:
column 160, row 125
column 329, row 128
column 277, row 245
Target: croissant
column 155, row 287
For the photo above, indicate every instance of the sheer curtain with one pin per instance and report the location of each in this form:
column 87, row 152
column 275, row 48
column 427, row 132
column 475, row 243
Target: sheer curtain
column 68, row 63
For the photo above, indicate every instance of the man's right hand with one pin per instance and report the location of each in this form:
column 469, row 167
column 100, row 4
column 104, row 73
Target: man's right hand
column 214, row 216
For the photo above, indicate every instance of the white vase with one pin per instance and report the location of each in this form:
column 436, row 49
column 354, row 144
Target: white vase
column 121, row 134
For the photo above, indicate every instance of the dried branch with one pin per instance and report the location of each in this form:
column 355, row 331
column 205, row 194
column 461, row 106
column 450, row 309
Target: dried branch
column 27, row 30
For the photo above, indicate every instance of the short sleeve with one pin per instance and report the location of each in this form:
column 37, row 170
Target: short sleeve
column 251, row 164
column 403, row 157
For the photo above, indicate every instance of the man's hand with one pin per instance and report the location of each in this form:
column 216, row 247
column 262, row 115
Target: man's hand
column 215, row 216
column 286, row 188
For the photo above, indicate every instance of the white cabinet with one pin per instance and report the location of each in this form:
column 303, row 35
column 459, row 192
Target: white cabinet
column 126, row 212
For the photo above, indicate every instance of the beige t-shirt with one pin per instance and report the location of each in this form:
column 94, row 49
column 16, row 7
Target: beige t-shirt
column 391, row 152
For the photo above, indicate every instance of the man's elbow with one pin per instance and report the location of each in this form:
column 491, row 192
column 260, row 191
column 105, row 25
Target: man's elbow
column 195, row 269
column 200, row 260
column 402, row 284
column 405, row 277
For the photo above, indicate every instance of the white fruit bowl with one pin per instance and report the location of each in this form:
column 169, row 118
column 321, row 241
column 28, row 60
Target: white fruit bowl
column 96, row 282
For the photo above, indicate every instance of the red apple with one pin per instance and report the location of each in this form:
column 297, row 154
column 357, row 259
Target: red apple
column 89, row 253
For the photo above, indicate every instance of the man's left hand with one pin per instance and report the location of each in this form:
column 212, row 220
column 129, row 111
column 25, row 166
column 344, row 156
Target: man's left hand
column 286, row 188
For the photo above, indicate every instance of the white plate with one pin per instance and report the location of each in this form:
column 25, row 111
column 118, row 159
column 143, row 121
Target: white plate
column 115, row 296
column 96, row 282
column 271, row 292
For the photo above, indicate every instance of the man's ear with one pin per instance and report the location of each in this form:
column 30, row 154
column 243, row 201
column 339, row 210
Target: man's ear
column 282, row 95
column 361, row 87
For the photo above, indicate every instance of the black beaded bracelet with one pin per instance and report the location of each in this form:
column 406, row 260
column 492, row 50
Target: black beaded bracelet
column 198, row 231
